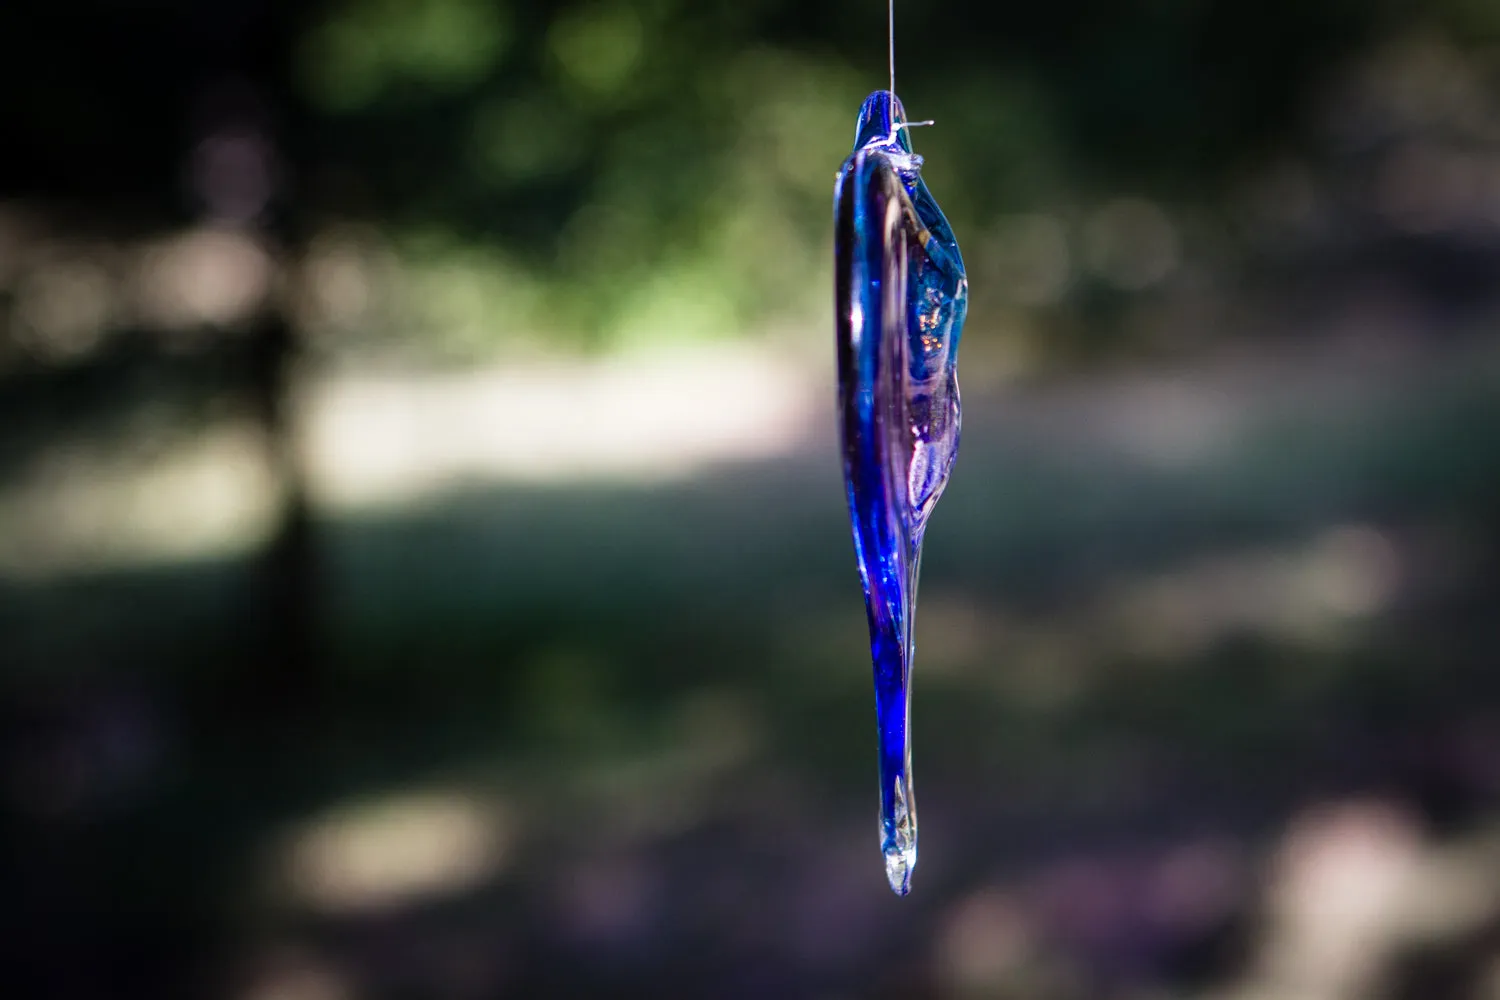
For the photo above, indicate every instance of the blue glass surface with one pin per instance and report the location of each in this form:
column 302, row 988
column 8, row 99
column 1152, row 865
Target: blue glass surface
column 901, row 296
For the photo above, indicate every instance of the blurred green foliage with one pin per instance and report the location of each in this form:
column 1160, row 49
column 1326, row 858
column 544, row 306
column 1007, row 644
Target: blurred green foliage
column 372, row 51
column 606, row 172
column 655, row 170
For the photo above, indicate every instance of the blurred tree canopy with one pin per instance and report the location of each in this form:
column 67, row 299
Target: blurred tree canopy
column 618, row 171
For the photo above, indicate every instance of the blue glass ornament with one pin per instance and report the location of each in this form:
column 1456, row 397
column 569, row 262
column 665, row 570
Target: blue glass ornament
column 901, row 296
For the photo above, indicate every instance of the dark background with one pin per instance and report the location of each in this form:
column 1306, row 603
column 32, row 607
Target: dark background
column 423, row 565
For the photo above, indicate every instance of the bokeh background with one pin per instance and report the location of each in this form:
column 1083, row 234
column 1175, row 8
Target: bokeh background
column 423, row 563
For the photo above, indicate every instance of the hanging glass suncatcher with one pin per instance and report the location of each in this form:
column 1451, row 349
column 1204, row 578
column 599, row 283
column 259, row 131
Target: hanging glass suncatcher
column 901, row 296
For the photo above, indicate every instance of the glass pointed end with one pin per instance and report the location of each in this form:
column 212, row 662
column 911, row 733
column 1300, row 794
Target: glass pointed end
column 899, row 840
column 899, row 862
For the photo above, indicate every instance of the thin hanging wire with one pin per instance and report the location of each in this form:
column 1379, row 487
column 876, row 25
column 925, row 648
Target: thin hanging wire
column 890, row 25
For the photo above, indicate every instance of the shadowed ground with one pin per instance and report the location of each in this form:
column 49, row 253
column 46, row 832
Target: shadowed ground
column 1189, row 647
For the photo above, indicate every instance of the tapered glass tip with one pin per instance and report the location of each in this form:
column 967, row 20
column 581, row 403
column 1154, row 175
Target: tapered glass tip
column 898, row 831
column 899, row 861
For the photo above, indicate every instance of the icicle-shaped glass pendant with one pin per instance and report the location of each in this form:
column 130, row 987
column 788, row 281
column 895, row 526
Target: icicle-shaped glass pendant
column 901, row 296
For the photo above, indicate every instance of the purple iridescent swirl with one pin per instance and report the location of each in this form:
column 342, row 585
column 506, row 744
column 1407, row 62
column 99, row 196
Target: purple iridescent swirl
column 901, row 297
